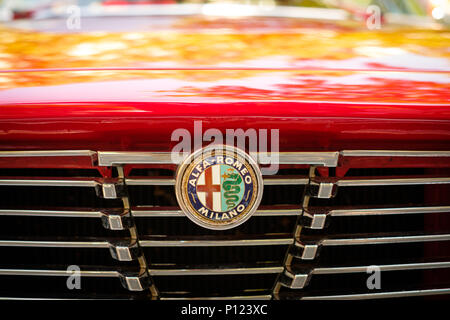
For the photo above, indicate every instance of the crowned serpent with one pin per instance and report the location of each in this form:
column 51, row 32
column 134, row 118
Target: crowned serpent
column 232, row 189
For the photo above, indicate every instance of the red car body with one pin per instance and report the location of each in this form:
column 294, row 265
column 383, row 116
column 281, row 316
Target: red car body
column 326, row 86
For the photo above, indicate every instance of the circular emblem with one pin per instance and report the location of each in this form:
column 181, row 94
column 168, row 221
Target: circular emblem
column 219, row 187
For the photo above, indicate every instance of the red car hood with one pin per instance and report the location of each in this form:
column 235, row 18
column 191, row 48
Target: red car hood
column 335, row 85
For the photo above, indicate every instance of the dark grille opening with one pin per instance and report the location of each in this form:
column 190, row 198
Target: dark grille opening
column 208, row 286
column 380, row 172
column 182, row 226
column 215, row 256
column 437, row 278
column 151, row 172
column 374, row 196
column 63, row 257
column 373, row 224
column 370, row 254
column 20, row 197
column 152, row 195
column 32, row 172
column 34, row 286
column 165, row 195
column 274, row 195
column 36, row 227
column 356, row 283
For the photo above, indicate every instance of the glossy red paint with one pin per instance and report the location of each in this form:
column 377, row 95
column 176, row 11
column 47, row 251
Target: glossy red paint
column 343, row 88
column 303, row 125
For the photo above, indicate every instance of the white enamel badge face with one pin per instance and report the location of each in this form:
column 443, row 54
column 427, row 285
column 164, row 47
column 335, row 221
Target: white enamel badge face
column 219, row 187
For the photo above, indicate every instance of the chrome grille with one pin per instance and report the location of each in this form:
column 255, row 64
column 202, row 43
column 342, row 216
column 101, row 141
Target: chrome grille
column 368, row 217
column 323, row 220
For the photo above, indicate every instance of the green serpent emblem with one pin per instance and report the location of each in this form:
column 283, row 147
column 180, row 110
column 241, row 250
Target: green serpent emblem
column 232, row 188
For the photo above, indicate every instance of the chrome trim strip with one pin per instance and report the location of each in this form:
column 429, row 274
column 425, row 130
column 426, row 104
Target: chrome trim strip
column 167, row 181
column 108, row 158
column 157, row 213
column 58, row 273
column 387, row 211
column 49, row 182
column 278, row 212
column 179, row 214
column 328, row 159
column 393, row 182
column 51, row 213
column 390, row 153
column 280, row 180
column 256, row 297
column 59, row 299
column 133, row 281
column 389, row 267
column 150, row 181
column 214, row 243
column 381, row 295
column 383, row 240
column 54, row 244
column 216, row 271
column 50, row 153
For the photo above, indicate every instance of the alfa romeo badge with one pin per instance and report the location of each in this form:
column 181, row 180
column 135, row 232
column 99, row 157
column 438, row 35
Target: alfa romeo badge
column 219, row 187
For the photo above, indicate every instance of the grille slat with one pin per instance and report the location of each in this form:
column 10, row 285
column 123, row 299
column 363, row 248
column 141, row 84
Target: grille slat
column 56, row 243
column 382, row 239
column 52, row 213
column 168, row 181
column 214, row 242
column 49, row 182
column 388, row 267
column 242, row 297
column 169, row 212
column 84, row 272
column 387, row 211
column 217, row 270
column 153, row 181
column 381, row 295
column 351, row 182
